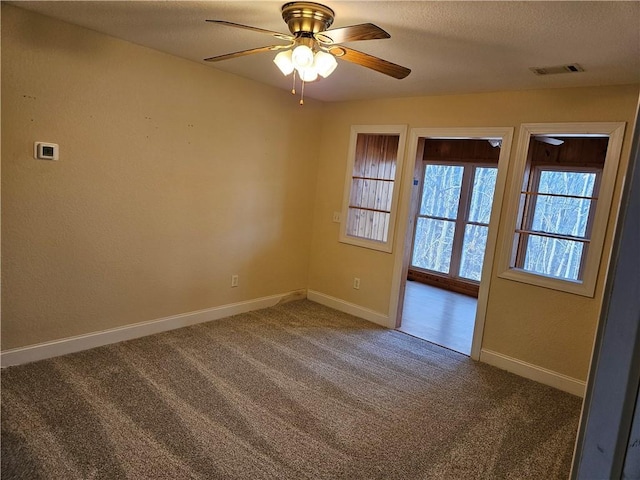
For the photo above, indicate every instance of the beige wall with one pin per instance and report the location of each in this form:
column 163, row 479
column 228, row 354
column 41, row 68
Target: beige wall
column 549, row 329
column 172, row 177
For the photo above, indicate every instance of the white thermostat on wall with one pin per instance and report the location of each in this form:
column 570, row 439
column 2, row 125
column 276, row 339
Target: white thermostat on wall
column 45, row 151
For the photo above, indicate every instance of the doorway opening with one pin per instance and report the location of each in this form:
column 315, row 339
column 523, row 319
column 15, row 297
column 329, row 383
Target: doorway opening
column 450, row 238
column 456, row 184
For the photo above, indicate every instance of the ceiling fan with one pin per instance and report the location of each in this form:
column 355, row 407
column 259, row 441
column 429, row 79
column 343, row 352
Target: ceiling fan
column 312, row 48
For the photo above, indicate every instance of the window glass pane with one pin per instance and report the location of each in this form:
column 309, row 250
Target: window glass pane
column 432, row 246
column 375, row 194
column 561, row 215
column 579, row 184
column 441, row 191
column 554, row 257
column 368, row 224
column 376, row 156
column 484, row 184
column 475, row 240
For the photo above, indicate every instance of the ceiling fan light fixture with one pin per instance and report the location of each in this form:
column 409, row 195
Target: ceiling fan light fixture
column 307, row 63
column 284, row 62
column 302, row 57
column 324, row 63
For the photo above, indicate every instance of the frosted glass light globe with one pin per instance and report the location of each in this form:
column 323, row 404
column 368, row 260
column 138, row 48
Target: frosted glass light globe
column 283, row 62
column 325, row 63
column 302, row 56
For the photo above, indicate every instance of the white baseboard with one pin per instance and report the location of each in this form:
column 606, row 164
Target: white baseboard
column 534, row 372
column 41, row 351
column 350, row 308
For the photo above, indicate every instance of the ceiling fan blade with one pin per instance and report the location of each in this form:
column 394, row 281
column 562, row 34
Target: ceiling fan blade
column 549, row 140
column 364, row 31
column 242, row 53
column 282, row 36
column 369, row 61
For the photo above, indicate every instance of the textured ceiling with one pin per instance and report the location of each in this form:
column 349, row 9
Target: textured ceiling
column 451, row 47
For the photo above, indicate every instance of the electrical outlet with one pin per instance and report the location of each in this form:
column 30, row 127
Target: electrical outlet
column 356, row 283
column 234, row 280
column 337, row 217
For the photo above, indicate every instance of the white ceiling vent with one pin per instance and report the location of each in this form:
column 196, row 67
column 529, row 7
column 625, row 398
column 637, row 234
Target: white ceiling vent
column 571, row 68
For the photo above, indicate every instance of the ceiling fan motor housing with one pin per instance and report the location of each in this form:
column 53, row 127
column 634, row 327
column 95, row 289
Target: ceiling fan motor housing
column 307, row 17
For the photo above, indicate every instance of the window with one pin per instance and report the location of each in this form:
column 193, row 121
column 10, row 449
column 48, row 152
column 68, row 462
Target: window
column 453, row 219
column 561, row 204
column 375, row 156
column 557, row 220
column 374, row 171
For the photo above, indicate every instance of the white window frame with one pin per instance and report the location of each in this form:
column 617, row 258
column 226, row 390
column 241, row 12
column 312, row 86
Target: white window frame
column 586, row 286
column 401, row 131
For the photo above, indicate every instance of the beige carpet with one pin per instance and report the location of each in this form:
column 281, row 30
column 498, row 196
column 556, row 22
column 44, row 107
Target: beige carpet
column 297, row 391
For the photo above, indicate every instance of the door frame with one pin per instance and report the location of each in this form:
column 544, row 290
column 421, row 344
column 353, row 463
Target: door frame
column 404, row 231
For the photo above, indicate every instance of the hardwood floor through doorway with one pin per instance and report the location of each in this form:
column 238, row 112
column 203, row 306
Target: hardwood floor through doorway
column 439, row 316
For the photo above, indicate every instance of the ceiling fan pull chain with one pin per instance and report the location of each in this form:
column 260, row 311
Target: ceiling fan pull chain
column 302, row 93
column 293, row 88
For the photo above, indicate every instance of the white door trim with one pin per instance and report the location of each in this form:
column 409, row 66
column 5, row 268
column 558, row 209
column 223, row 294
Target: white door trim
column 401, row 266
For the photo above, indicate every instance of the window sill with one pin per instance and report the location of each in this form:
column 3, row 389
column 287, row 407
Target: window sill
column 568, row 286
column 385, row 247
